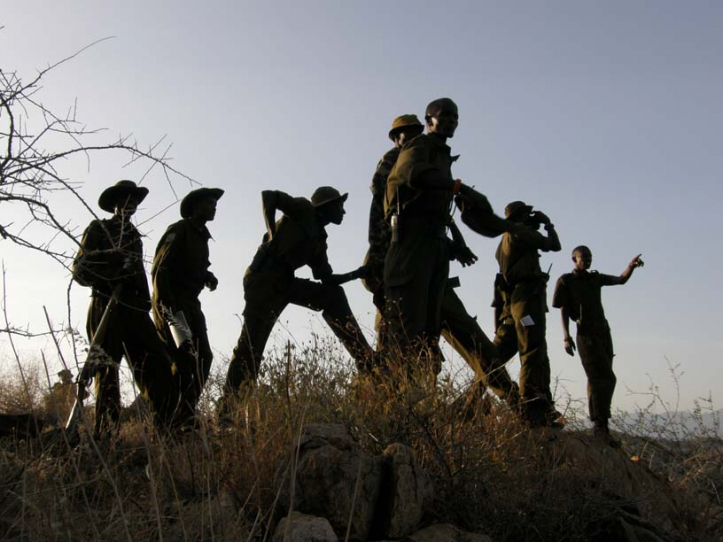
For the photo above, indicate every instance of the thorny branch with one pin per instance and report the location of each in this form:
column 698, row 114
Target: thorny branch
column 35, row 145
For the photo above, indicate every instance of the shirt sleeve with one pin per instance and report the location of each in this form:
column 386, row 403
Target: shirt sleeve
column 535, row 240
column 561, row 295
column 413, row 161
column 608, row 280
column 290, row 206
column 170, row 245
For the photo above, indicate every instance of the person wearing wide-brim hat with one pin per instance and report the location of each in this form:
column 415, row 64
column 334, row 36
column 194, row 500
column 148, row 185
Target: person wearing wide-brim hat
column 404, row 128
column 110, row 259
column 180, row 272
column 123, row 194
column 521, row 307
column 298, row 239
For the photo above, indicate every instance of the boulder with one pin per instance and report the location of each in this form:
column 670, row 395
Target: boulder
column 336, row 481
column 303, row 528
column 407, row 493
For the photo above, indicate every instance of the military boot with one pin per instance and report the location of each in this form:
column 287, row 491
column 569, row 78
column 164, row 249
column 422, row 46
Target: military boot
column 601, row 433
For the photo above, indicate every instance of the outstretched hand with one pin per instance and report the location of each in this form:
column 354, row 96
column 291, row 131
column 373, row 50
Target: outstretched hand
column 361, row 272
column 570, row 346
column 637, row 262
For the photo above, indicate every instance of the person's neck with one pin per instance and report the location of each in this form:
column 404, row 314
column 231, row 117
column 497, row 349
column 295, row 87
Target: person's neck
column 197, row 222
column 438, row 137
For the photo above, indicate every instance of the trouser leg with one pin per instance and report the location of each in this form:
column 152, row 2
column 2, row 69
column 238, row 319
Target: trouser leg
column 596, row 354
column 466, row 336
column 106, row 374
column 416, row 274
column 193, row 360
column 107, row 399
column 535, row 364
column 153, row 369
column 264, row 304
column 334, row 307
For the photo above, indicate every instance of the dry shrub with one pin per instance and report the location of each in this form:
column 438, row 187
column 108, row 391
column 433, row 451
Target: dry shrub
column 491, row 474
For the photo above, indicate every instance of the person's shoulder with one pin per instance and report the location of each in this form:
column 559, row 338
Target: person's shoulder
column 421, row 140
column 179, row 226
column 391, row 155
column 565, row 277
column 97, row 226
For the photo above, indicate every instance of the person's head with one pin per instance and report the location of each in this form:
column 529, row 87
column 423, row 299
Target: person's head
column 518, row 211
column 404, row 128
column 442, row 117
column 123, row 198
column 66, row 377
column 329, row 203
column 582, row 256
column 200, row 204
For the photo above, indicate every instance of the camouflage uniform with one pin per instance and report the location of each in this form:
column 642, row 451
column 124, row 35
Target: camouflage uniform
column 522, row 322
column 180, row 272
column 270, row 285
column 579, row 293
column 101, row 263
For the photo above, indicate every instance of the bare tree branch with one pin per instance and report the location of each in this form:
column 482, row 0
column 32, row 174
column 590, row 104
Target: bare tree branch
column 37, row 145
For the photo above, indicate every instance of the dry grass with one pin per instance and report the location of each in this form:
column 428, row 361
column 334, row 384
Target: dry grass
column 491, row 475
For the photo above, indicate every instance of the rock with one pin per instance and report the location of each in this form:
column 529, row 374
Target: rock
column 337, row 482
column 315, row 435
column 304, row 528
column 407, row 494
column 445, row 533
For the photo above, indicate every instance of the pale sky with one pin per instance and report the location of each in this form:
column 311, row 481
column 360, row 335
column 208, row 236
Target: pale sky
column 605, row 115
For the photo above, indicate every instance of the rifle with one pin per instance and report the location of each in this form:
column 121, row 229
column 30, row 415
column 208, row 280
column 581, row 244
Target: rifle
column 94, row 352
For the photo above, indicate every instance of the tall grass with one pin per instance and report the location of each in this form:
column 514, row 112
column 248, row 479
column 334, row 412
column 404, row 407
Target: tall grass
column 491, row 474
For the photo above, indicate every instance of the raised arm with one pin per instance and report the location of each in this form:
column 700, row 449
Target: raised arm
column 271, row 200
column 632, row 266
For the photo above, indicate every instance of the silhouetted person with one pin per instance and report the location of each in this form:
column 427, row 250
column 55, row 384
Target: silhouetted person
column 111, row 254
column 459, row 328
column 417, row 206
column 520, row 316
column 404, row 129
column 296, row 240
column 180, row 273
column 578, row 296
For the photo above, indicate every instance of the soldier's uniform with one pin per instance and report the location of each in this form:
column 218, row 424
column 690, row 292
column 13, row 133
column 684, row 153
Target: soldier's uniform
column 416, row 267
column 180, row 272
column 459, row 328
column 522, row 324
column 270, row 285
column 379, row 228
column 464, row 333
column 111, row 252
column 579, row 293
